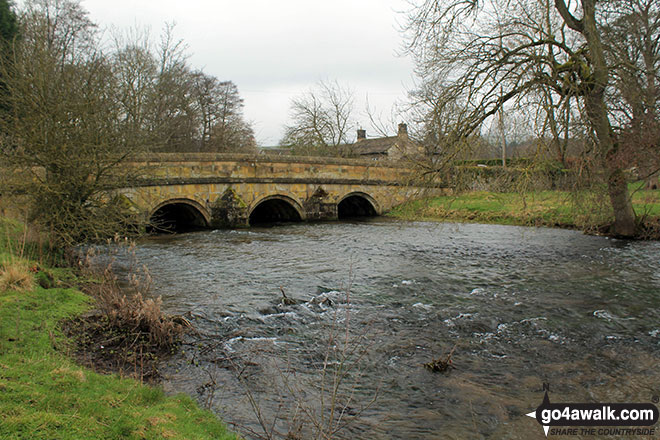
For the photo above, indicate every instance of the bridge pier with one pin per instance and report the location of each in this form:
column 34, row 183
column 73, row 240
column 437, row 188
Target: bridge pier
column 229, row 211
column 319, row 207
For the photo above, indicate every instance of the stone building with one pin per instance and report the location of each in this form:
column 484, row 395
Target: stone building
column 389, row 147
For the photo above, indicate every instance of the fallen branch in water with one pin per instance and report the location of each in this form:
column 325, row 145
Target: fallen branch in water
column 441, row 365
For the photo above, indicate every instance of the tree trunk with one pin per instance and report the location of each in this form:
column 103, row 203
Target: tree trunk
column 624, row 216
column 617, row 182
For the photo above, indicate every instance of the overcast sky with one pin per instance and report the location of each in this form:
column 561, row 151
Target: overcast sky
column 274, row 50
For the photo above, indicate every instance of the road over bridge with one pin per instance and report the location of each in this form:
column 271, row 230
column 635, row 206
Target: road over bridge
column 228, row 190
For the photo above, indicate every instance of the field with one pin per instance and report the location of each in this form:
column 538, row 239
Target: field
column 581, row 210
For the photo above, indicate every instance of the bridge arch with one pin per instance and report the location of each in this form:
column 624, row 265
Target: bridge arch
column 177, row 215
column 357, row 204
column 276, row 208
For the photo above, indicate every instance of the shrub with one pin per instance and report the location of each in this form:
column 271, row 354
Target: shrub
column 131, row 313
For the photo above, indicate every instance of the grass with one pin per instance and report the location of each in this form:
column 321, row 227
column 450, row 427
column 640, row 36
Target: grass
column 16, row 276
column 45, row 394
column 535, row 208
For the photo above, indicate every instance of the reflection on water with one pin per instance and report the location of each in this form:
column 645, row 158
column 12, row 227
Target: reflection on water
column 522, row 305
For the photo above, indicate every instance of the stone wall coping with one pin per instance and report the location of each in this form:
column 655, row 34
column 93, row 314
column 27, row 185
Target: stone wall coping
column 260, row 158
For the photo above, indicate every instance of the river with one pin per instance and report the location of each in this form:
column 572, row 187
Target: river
column 371, row 302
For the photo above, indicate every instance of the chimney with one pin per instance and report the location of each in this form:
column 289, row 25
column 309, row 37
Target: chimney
column 361, row 134
column 403, row 130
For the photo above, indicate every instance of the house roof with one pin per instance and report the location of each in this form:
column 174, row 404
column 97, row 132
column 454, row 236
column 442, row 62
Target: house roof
column 374, row 146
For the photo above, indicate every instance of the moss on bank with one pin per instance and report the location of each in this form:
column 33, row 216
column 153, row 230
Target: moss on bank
column 45, row 394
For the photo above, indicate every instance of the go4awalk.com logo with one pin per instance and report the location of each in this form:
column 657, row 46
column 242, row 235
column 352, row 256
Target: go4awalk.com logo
column 610, row 419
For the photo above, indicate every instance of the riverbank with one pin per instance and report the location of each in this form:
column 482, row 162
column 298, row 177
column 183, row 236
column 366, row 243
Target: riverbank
column 45, row 394
column 583, row 211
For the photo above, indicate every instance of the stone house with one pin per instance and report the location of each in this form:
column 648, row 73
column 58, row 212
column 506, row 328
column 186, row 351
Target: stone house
column 389, row 147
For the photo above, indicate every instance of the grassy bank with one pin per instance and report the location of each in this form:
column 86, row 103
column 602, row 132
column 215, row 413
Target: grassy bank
column 45, row 394
column 540, row 208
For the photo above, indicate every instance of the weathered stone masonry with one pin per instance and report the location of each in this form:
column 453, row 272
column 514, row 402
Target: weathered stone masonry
column 226, row 189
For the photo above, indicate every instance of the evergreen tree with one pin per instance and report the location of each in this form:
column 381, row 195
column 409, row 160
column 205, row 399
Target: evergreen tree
column 8, row 22
column 8, row 32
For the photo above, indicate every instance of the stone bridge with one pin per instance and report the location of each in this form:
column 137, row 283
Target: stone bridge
column 178, row 191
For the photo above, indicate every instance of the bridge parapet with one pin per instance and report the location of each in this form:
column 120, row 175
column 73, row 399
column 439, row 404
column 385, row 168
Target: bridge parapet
column 235, row 166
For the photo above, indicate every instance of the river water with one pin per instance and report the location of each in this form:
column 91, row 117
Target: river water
column 373, row 301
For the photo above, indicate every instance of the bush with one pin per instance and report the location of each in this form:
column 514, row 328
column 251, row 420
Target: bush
column 131, row 313
column 139, row 315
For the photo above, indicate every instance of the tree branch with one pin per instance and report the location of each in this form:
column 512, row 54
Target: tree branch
column 569, row 19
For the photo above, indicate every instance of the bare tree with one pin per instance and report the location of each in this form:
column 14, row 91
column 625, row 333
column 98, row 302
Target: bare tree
column 204, row 92
column 62, row 129
column 172, row 107
column 485, row 55
column 633, row 48
column 135, row 69
column 75, row 113
column 223, row 126
column 173, row 118
column 322, row 119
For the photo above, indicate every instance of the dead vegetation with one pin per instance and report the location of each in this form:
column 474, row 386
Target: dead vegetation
column 127, row 332
column 133, row 313
column 441, row 365
column 16, row 276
